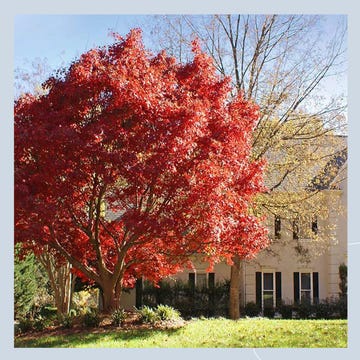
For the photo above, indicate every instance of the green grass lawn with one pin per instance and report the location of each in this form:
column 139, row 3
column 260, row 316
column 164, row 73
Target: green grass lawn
column 211, row 333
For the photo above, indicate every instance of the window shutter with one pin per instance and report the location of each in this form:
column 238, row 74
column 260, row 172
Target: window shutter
column 258, row 288
column 211, row 285
column 316, row 287
column 139, row 293
column 211, row 280
column 192, row 280
column 278, row 288
column 296, row 287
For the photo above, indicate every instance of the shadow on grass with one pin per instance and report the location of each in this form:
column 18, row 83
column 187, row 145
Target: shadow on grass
column 83, row 339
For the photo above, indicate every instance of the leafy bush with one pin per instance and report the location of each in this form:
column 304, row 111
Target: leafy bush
column 341, row 307
column 67, row 321
column 25, row 325
column 148, row 315
column 190, row 301
column 269, row 312
column 304, row 310
column 167, row 313
column 48, row 311
column 118, row 317
column 323, row 310
column 333, row 308
column 85, row 299
column 39, row 324
column 285, row 311
column 160, row 313
column 251, row 309
column 91, row 318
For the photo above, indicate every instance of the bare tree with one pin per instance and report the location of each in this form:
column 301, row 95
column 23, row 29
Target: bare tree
column 289, row 65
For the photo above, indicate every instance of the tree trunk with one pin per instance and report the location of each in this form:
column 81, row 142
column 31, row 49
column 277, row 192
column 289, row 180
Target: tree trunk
column 61, row 282
column 110, row 298
column 234, row 302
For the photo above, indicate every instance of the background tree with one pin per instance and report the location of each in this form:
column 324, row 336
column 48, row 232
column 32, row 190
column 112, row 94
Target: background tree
column 57, row 270
column 129, row 163
column 288, row 65
column 61, row 279
column 29, row 283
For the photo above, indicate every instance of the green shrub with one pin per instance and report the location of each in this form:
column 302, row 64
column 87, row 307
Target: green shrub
column 148, row 315
column 341, row 307
column 25, row 325
column 338, row 307
column 190, row 301
column 269, row 312
column 67, row 321
column 251, row 309
column 285, row 311
column 304, row 310
column 118, row 317
column 324, row 310
column 48, row 312
column 91, row 318
column 167, row 313
column 39, row 324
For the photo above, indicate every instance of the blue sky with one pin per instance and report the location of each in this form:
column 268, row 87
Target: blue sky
column 56, row 40
column 61, row 38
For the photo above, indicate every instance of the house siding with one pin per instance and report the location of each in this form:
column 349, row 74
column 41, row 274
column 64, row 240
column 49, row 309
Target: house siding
column 286, row 261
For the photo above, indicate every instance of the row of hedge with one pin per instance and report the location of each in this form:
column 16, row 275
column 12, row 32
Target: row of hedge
column 332, row 308
column 189, row 300
column 193, row 301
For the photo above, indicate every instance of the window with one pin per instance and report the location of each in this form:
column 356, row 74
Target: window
column 306, row 287
column 305, row 229
column 314, row 226
column 268, row 289
column 277, row 226
column 202, row 279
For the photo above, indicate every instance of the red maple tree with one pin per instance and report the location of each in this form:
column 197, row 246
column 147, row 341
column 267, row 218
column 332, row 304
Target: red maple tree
column 131, row 162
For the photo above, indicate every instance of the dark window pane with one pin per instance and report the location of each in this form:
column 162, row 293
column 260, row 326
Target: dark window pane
column 305, row 296
column 296, row 229
column 268, row 299
column 268, row 281
column 201, row 280
column 277, row 227
column 314, row 226
column 305, row 281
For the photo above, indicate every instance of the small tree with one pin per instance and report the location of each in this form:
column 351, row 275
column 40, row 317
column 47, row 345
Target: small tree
column 29, row 283
column 60, row 278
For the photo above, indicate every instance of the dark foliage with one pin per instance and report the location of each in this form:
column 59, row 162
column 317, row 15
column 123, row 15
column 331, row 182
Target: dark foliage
column 190, row 301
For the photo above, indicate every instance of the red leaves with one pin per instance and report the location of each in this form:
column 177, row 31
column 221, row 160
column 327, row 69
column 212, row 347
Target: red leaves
column 161, row 146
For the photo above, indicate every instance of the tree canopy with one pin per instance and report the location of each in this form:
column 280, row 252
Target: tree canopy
column 129, row 162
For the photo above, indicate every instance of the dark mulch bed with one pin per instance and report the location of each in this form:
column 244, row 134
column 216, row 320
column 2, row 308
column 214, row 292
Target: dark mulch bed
column 132, row 322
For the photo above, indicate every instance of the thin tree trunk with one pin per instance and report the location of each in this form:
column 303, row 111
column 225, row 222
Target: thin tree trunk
column 234, row 302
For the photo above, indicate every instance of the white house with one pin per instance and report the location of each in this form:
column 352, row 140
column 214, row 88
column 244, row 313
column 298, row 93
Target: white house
column 287, row 277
